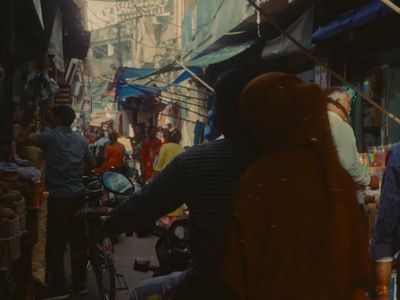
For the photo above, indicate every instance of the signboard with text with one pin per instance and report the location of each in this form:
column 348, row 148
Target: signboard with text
column 138, row 8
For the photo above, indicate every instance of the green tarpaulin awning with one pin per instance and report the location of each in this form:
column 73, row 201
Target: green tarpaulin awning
column 220, row 55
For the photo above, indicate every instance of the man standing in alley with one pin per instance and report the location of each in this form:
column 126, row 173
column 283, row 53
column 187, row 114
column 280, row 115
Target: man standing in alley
column 66, row 153
column 339, row 107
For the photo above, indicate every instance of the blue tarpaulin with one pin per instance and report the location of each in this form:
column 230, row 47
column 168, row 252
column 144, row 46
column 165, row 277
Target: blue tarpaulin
column 354, row 18
column 125, row 90
column 221, row 54
column 186, row 75
column 135, row 90
column 129, row 73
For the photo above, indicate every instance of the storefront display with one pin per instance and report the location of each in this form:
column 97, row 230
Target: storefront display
column 374, row 162
column 21, row 199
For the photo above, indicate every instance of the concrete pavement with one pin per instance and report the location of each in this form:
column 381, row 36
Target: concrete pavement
column 126, row 251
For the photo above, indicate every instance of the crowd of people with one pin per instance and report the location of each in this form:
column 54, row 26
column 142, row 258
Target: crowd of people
column 274, row 205
column 151, row 153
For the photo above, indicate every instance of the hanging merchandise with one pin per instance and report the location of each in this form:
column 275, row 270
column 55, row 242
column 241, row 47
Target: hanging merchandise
column 56, row 46
column 39, row 90
column 170, row 116
column 211, row 131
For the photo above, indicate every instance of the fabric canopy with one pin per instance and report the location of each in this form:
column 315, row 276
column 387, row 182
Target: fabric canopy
column 129, row 73
column 125, row 90
column 221, row 54
column 354, row 18
column 301, row 30
column 186, row 75
column 135, row 90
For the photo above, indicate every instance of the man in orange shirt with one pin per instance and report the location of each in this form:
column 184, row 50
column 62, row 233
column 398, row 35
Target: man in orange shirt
column 114, row 154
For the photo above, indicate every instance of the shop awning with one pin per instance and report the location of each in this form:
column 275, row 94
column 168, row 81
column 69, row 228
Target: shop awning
column 125, row 89
column 195, row 64
column 130, row 73
column 135, row 90
column 301, row 30
column 354, row 18
column 186, row 75
column 221, row 54
column 222, row 18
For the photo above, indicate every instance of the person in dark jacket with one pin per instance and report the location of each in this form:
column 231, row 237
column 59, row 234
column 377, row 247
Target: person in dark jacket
column 203, row 177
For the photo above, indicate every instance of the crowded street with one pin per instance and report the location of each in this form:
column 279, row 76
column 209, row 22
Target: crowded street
column 200, row 149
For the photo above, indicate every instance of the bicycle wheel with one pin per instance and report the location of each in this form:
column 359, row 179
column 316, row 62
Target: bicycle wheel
column 104, row 270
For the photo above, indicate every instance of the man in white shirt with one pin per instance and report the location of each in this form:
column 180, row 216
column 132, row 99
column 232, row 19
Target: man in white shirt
column 339, row 106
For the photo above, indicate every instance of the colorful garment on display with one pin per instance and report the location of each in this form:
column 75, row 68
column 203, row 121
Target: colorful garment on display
column 149, row 151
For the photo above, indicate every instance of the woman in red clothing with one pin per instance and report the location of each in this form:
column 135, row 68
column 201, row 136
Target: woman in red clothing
column 114, row 154
column 150, row 149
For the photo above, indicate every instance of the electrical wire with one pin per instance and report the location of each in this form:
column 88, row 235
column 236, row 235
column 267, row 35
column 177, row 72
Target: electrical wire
column 166, row 91
column 178, row 118
column 164, row 82
column 183, row 95
column 179, row 86
column 147, row 32
column 184, row 108
column 177, row 94
column 319, row 62
column 140, row 42
column 183, row 101
column 94, row 14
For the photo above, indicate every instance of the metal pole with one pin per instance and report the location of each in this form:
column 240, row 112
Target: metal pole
column 120, row 62
column 309, row 54
column 119, row 56
column 392, row 5
column 197, row 77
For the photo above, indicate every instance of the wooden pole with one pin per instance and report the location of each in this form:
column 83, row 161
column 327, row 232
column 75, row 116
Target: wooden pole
column 392, row 5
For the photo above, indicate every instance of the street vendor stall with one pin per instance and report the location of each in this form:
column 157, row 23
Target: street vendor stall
column 374, row 162
column 22, row 238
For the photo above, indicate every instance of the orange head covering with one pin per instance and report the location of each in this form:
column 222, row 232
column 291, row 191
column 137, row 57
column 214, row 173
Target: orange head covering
column 296, row 230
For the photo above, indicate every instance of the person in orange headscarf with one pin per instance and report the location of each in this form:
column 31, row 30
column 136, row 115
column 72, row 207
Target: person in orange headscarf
column 296, row 231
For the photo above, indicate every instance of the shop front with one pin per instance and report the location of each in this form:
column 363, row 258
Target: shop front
column 34, row 54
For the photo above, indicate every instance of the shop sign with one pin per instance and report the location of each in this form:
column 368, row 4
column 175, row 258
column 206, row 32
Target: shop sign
column 139, row 8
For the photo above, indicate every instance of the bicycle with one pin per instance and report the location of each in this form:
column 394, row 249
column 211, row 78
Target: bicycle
column 99, row 245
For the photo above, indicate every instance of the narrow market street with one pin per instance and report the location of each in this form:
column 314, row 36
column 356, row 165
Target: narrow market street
column 127, row 249
column 257, row 141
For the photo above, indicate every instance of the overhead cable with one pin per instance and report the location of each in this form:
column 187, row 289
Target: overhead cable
column 310, row 55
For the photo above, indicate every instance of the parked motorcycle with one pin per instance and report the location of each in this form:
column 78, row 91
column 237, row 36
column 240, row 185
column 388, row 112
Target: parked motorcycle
column 172, row 246
column 172, row 249
column 99, row 240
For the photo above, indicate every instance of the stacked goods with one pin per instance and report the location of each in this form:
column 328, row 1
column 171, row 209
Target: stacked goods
column 12, row 224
